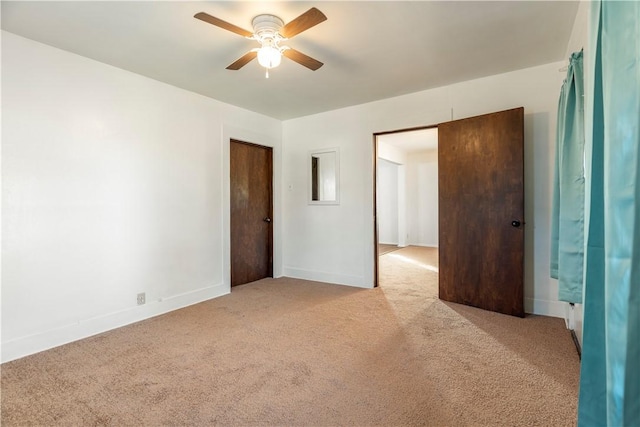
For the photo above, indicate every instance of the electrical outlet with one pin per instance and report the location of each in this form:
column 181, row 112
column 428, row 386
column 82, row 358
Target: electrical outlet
column 141, row 298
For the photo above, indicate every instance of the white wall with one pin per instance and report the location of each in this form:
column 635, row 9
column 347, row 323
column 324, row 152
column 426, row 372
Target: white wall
column 389, row 152
column 422, row 198
column 336, row 243
column 396, row 156
column 402, row 206
column 113, row 184
column 387, row 203
column 580, row 31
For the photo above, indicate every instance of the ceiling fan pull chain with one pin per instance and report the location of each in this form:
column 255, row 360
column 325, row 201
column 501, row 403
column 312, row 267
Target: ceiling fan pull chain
column 267, row 74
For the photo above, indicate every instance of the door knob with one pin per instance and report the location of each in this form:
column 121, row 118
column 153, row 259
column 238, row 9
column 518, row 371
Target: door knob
column 515, row 223
column 267, row 219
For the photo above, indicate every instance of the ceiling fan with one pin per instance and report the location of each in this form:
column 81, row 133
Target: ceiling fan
column 270, row 31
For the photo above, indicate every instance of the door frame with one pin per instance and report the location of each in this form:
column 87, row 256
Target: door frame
column 230, row 132
column 375, row 193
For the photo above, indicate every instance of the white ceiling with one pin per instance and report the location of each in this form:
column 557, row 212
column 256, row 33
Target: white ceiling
column 412, row 141
column 371, row 50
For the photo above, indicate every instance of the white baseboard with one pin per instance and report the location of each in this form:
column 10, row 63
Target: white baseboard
column 424, row 245
column 545, row 308
column 24, row 346
column 318, row 276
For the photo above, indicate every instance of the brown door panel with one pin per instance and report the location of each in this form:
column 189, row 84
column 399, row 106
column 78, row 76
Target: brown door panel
column 251, row 201
column 481, row 191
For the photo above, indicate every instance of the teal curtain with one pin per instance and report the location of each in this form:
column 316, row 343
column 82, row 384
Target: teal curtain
column 567, row 221
column 610, row 370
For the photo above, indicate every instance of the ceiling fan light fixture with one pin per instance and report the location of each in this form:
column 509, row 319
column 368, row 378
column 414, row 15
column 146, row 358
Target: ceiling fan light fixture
column 269, row 57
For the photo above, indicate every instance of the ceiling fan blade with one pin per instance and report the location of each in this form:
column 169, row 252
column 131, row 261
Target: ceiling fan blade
column 302, row 59
column 310, row 18
column 243, row 60
column 222, row 24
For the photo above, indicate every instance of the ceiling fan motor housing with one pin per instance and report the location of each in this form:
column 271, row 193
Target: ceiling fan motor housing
column 267, row 26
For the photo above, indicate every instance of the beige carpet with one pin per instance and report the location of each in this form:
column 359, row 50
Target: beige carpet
column 384, row 248
column 296, row 353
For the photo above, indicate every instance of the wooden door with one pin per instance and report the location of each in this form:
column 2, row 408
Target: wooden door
column 251, row 212
column 481, row 211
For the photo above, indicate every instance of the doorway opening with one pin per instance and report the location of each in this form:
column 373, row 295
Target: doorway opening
column 406, row 201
